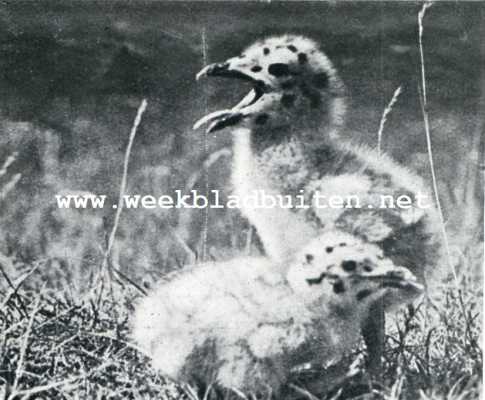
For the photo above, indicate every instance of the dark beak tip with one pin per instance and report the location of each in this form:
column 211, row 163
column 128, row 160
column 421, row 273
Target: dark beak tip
column 218, row 67
column 215, row 69
column 210, row 129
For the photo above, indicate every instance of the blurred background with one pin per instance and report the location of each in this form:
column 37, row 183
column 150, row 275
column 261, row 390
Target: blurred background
column 72, row 75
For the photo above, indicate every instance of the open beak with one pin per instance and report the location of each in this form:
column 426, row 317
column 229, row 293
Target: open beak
column 221, row 119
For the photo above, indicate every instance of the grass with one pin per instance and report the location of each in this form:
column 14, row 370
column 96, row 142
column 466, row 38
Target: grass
column 65, row 348
column 59, row 346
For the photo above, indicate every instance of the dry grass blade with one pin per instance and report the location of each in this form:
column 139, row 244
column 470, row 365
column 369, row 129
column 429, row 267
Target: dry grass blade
column 23, row 349
column 7, row 188
column 27, row 393
column 424, row 108
column 239, row 393
column 386, row 112
column 185, row 214
column 190, row 392
column 206, row 151
column 124, row 178
column 210, row 160
column 15, row 287
column 305, row 392
column 10, row 159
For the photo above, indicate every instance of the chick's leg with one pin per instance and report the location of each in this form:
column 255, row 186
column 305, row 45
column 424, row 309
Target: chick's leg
column 373, row 331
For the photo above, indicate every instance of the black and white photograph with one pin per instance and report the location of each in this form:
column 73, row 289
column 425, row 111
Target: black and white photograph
column 241, row 200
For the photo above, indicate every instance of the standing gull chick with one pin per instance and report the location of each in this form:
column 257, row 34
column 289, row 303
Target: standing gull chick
column 296, row 94
column 286, row 142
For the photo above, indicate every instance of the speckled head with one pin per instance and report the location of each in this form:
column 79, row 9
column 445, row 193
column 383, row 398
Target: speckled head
column 341, row 271
column 294, row 85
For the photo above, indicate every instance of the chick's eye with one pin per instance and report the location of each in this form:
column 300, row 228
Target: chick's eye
column 279, row 69
column 309, row 258
column 367, row 268
column 349, row 265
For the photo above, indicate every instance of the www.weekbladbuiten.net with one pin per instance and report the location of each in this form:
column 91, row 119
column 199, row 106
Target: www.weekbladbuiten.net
column 256, row 199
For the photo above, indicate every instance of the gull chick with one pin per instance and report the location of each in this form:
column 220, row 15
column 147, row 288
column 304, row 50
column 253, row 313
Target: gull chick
column 246, row 324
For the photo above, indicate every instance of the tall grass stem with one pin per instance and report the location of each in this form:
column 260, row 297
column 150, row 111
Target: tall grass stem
column 424, row 108
column 124, row 178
